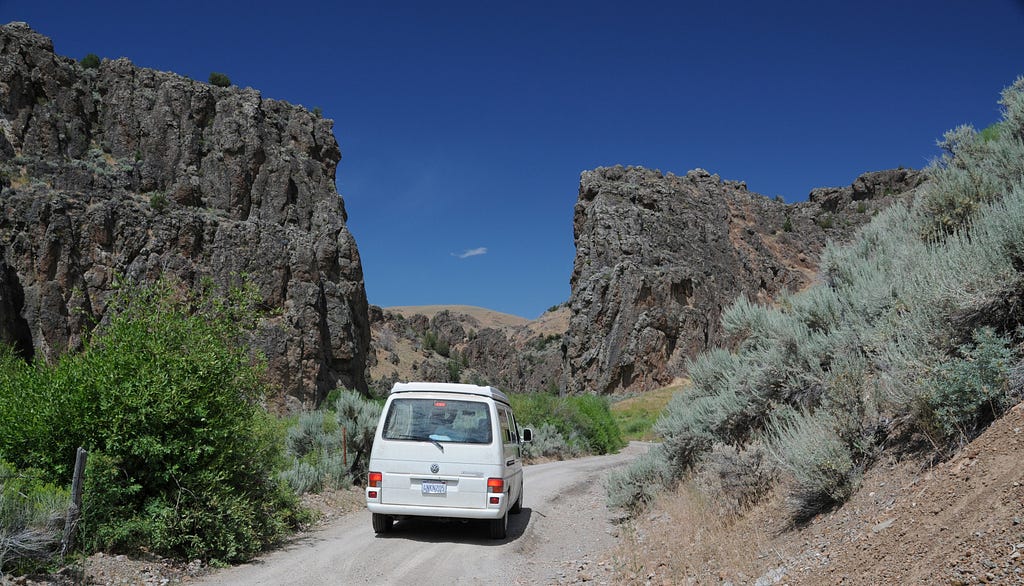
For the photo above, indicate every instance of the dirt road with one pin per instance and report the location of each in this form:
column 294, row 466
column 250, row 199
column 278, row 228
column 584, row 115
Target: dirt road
column 563, row 527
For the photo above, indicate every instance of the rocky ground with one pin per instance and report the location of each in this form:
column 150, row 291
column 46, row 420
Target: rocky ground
column 120, row 570
column 959, row 522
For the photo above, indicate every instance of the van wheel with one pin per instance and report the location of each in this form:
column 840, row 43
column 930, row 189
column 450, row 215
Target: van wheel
column 382, row 523
column 499, row 527
column 518, row 506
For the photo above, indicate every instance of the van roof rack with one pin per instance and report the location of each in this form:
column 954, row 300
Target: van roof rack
column 463, row 389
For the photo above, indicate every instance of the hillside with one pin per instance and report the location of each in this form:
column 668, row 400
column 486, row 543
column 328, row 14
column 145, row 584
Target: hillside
column 469, row 316
column 960, row 522
column 469, row 344
column 809, row 432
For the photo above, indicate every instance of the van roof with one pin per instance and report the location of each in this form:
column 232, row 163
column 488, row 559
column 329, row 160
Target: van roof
column 450, row 388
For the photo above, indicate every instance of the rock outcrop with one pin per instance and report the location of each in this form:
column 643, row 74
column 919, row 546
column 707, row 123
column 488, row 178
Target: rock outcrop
column 120, row 172
column 453, row 346
column 658, row 257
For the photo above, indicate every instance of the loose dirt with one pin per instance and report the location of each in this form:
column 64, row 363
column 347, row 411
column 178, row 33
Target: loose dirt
column 960, row 522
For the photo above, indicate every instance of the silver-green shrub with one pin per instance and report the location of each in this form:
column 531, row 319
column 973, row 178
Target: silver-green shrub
column 735, row 479
column 907, row 323
column 967, row 393
column 31, row 519
column 548, row 442
column 330, row 447
column 820, row 463
column 637, row 485
column 357, row 417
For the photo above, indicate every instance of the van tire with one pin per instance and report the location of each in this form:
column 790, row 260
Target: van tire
column 518, row 506
column 382, row 523
column 499, row 527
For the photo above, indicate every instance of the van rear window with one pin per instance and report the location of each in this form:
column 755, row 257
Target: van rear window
column 441, row 421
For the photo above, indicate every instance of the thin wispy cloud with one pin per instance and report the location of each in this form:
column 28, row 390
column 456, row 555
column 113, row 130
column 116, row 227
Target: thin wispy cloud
column 471, row 252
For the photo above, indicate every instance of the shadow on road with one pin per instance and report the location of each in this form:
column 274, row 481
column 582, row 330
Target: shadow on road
column 431, row 530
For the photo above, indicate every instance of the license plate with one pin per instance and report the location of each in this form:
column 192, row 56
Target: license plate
column 434, row 487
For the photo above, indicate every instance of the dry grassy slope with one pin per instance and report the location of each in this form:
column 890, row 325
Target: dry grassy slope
column 960, row 522
column 518, row 329
column 471, row 317
column 481, row 317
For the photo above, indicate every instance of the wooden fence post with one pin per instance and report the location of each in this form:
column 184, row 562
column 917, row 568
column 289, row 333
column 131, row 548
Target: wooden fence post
column 67, row 543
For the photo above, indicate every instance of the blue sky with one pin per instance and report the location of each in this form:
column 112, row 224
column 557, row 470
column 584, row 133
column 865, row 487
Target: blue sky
column 464, row 126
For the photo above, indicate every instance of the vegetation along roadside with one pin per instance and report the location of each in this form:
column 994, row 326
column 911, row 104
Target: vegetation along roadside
column 185, row 462
column 912, row 338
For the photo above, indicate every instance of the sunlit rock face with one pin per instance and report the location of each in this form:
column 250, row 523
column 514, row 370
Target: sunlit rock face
column 122, row 173
column 658, row 258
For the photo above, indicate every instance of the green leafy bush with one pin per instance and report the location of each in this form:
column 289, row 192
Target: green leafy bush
column 586, row 417
column 432, row 342
column 454, row 371
column 158, row 201
column 184, row 459
column 219, row 79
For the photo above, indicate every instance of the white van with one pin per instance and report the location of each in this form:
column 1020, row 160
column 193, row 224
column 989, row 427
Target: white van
column 446, row 450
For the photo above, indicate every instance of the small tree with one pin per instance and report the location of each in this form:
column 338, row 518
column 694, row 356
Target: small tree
column 90, row 61
column 219, row 79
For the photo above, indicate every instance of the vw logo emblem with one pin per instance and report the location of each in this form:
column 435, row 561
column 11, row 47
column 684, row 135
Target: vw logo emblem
column 434, row 468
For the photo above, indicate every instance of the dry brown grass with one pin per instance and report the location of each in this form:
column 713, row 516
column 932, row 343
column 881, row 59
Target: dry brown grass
column 486, row 318
column 685, row 539
column 551, row 322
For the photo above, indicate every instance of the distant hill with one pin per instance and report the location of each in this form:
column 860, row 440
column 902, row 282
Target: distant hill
column 461, row 343
column 549, row 323
column 480, row 316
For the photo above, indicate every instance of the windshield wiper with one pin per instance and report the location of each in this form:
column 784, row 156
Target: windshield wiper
column 439, row 445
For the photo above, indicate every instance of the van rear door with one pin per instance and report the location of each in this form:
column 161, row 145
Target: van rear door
column 434, row 452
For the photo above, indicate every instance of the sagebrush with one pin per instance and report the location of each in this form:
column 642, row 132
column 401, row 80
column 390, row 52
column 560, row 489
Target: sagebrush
column 330, row 447
column 32, row 513
column 917, row 319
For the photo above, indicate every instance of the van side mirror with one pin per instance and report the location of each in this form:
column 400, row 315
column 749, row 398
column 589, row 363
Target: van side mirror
column 527, row 435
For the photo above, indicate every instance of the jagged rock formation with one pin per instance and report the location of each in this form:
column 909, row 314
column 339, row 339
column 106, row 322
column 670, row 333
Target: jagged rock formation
column 124, row 172
column 658, row 257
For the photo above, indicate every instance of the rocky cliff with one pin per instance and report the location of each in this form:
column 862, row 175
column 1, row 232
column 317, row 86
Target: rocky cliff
column 658, row 257
column 119, row 172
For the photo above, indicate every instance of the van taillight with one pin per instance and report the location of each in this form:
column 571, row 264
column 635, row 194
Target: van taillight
column 495, row 485
column 375, row 479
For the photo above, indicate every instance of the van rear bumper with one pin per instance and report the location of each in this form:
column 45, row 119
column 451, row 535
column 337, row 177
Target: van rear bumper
column 449, row 512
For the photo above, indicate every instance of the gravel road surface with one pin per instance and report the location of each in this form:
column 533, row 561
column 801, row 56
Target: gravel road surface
column 563, row 528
